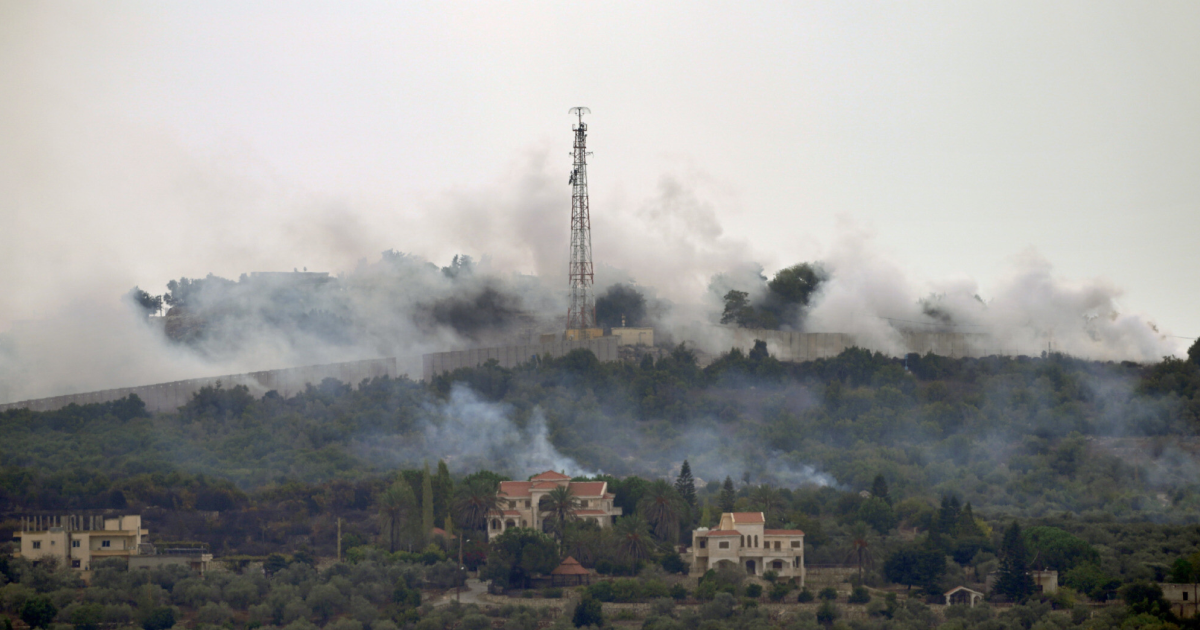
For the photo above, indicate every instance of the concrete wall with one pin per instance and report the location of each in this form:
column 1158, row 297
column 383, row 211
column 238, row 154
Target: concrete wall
column 605, row 349
column 798, row 346
column 171, row 396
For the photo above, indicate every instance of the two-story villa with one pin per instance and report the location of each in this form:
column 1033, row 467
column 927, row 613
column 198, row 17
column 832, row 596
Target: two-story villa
column 520, row 500
column 77, row 540
column 742, row 539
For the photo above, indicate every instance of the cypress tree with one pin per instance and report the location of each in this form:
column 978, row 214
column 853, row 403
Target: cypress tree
column 879, row 489
column 727, row 496
column 1013, row 580
column 685, row 484
column 426, row 502
column 443, row 491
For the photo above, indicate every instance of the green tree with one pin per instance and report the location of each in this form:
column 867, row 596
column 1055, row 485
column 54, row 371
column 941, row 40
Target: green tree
column 397, row 508
column 685, row 485
column 737, row 308
column 879, row 489
column 1013, row 579
column 728, row 496
column 148, row 304
column 916, row 564
column 662, row 507
column 443, row 494
column 878, row 514
column 520, row 554
column 633, row 541
column 1057, row 549
column 426, row 504
column 1145, row 598
column 560, row 505
column 768, row 501
column 38, row 611
column 795, row 285
column 860, row 548
column 1194, row 352
column 161, row 618
column 588, row 612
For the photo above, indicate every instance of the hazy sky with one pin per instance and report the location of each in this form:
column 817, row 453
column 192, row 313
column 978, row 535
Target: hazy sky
column 145, row 141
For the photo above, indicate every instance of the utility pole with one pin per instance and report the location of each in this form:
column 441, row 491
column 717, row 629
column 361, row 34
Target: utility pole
column 581, row 314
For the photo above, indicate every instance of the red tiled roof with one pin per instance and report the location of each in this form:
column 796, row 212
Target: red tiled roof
column 748, row 517
column 549, row 475
column 438, row 531
column 782, row 532
column 587, row 488
column 590, row 512
column 515, row 488
column 722, row 532
column 543, row 485
column 570, row 566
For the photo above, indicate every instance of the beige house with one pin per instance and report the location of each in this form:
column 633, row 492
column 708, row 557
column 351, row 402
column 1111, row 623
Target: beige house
column 743, row 540
column 519, row 501
column 76, row 540
column 1182, row 598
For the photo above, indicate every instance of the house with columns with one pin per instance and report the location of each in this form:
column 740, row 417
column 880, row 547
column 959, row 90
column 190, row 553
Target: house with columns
column 743, row 540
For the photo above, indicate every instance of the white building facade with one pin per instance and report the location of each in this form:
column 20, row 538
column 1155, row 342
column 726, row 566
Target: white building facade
column 743, row 540
column 519, row 502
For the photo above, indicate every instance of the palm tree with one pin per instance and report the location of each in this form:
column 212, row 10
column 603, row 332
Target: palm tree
column 860, row 547
column 633, row 538
column 768, row 500
column 473, row 502
column 662, row 507
column 560, row 504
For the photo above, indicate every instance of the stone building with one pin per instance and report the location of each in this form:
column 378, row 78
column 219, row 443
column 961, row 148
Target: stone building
column 76, row 540
column 520, row 502
column 743, row 540
column 1182, row 598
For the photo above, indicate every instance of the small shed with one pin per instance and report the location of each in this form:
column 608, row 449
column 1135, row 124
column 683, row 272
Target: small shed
column 570, row 572
column 963, row 595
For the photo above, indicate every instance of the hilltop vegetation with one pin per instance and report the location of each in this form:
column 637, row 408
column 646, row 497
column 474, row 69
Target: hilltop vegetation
column 1092, row 459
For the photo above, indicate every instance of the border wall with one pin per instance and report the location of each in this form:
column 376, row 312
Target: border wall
column 171, row 396
column 800, row 346
column 605, row 349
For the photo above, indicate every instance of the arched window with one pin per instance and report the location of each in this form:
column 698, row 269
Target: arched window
column 495, row 523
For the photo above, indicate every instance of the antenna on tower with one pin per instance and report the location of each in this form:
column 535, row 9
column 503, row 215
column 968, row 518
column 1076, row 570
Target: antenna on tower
column 581, row 314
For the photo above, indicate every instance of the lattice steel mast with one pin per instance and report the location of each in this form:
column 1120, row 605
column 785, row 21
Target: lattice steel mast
column 581, row 315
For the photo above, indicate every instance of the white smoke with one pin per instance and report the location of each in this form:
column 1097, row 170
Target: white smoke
column 471, row 433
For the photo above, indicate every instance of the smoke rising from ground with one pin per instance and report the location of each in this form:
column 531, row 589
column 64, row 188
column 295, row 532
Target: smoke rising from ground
column 227, row 217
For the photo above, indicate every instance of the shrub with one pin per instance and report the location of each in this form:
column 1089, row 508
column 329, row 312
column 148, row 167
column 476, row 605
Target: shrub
column 87, row 616
column 771, row 576
column 588, row 613
column 805, row 596
column 753, row 590
column 672, row 563
column 214, row 614
column 827, row 613
column 552, row 593
column 678, row 592
column 160, row 618
column 779, row 590
column 828, row 594
column 859, row 595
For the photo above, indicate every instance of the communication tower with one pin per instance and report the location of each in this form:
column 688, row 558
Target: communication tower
column 581, row 314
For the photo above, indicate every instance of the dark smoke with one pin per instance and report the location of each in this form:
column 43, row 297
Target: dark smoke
column 621, row 301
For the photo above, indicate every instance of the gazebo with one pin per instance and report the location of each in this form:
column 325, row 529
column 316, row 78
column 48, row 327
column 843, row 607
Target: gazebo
column 570, row 572
column 963, row 595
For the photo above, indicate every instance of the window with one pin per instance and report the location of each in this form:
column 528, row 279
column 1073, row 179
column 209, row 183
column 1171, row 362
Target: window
column 724, row 544
column 105, row 543
column 795, row 544
column 583, row 504
column 75, row 564
column 743, row 543
column 75, row 544
column 703, row 544
column 512, row 505
column 527, row 504
column 37, row 544
column 756, row 540
column 778, row 564
column 777, row 545
column 1185, row 596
